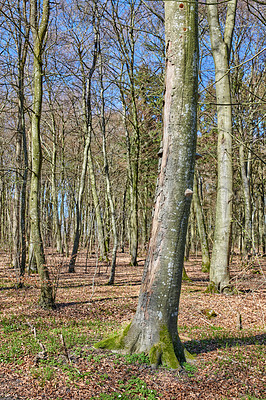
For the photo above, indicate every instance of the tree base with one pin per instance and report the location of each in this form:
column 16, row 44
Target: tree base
column 213, row 288
column 47, row 299
column 164, row 352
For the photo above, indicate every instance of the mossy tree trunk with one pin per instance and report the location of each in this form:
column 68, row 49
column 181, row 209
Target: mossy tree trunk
column 221, row 47
column 153, row 329
column 39, row 31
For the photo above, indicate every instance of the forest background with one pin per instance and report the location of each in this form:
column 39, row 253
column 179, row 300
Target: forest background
column 99, row 143
column 99, row 128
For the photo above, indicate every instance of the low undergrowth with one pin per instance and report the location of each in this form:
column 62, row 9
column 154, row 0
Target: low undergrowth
column 52, row 354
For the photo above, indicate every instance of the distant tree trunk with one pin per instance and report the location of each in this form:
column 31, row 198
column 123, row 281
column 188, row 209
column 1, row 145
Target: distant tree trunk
column 98, row 213
column 133, row 190
column 87, row 127
column 108, row 182
column 57, row 237
column 19, row 227
column 205, row 263
column 188, row 242
column 221, row 46
column 245, row 175
column 154, row 326
column 16, row 210
column 123, row 221
column 126, row 40
column 39, row 30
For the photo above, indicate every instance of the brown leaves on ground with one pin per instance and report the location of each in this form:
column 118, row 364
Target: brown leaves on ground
column 225, row 332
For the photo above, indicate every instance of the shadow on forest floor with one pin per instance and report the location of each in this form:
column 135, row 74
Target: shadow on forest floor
column 102, row 299
column 207, row 345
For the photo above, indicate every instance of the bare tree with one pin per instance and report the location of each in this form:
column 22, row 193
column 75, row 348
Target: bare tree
column 153, row 329
column 221, row 47
column 39, row 19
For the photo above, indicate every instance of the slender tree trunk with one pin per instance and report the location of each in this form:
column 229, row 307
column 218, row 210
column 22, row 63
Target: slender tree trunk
column 154, row 326
column 96, row 202
column 39, row 33
column 221, row 45
column 87, row 156
column 16, row 210
column 57, row 237
column 87, row 128
column 108, row 182
column 127, row 46
column 21, row 149
column 245, row 176
column 123, row 221
column 205, row 266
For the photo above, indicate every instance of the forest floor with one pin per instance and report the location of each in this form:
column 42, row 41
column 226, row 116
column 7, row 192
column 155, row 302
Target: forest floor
column 50, row 354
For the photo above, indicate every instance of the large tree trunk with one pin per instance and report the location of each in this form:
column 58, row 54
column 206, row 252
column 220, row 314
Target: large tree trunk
column 39, row 33
column 219, row 269
column 154, row 326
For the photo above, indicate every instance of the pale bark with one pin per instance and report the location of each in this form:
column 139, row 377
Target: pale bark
column 39, row 30
column 219, row 269
column 109, row 191
column 97, row 207
column 19, row 232
column 127, row 47
column 123, row 221
column 245, row 176
column 154, row 326
column 205, row 263
column 57, row 237
column 87, row 128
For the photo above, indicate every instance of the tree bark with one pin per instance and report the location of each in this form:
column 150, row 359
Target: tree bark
column 245, row 175
column 127, row 48
column 221, row 46
column 153, row 329
column 19, row 231
column 87, row 128
column 39, row 31
column 205, row 266
column 109, row 191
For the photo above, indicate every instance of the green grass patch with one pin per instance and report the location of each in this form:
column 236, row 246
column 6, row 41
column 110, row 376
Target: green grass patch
column 140, row 358
column 133, row 389
column 191, row 369
column 18, row 337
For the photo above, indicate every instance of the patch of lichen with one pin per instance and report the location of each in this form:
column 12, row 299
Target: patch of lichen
column 115, row 341
column 163, row 352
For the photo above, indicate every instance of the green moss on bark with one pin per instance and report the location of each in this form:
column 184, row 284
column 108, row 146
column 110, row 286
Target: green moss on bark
column 205, row 266
column 113, row 342
column 163, row 352
column 185, row 276
column 212, row 288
